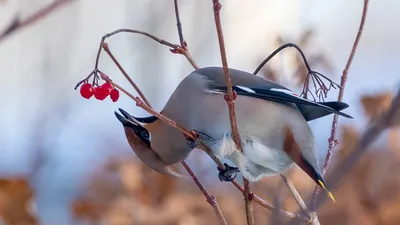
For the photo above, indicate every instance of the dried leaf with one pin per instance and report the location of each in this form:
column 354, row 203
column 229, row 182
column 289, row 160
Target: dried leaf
column 15, row 198
column 374, row 105
column 394, row 140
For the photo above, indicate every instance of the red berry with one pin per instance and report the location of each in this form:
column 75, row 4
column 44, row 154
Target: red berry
column 87, row 90
column 100, row 94
column 114, row 95
column 107, row 88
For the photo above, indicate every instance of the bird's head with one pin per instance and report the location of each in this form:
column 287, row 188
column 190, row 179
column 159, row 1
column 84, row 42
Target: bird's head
column 131, row 123
column 139, row 138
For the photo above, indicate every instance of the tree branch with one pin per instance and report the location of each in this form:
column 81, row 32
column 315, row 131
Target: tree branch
column 332, row 139
column 230, row 99
column 317, row 79
column 17, row 24
column 376, row 127
column 210, row 199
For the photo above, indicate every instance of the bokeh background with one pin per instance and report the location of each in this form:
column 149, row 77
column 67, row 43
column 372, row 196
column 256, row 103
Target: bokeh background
column 65, row 160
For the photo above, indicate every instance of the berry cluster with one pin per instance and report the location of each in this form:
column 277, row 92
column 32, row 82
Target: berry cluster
column 100, row 92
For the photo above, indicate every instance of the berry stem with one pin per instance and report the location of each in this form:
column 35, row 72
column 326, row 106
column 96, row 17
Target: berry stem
column 107, row 49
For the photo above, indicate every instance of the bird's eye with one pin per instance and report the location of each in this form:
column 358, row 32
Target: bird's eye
column 145, row 135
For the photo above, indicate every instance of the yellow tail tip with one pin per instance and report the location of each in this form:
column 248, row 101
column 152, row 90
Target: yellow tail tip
column 330, row 195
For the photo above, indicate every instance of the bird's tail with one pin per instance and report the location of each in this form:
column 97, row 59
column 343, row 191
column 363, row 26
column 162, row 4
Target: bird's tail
column 321, row 183
column 294, row 152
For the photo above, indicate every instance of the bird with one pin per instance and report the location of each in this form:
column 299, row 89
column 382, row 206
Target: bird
column 272, row 122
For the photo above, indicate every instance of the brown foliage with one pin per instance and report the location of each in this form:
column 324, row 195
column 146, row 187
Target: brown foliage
column 15, row 196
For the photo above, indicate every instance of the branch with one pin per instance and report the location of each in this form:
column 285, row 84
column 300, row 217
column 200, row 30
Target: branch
column 385, row 121
column 107, row 49
column 332, row 139
column 230, row 99
column 269, row 206
column 174, row 48
column 295, row 194
column 181, row 39
column 178, row 24
column 17, row 24
column 210, row 199
column 318, row 80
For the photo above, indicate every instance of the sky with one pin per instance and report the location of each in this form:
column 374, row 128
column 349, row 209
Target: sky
column 40, row 65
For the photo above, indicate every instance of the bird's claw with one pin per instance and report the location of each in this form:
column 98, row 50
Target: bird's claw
column 200, row 136
column 228, row 174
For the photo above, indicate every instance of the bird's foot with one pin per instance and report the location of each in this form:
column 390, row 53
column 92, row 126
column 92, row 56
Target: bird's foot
column 228, row 174
column 200, row 136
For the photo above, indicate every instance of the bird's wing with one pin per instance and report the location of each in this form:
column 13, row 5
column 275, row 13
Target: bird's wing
column 247, row 84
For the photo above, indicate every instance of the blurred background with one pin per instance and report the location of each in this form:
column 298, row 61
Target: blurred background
column 65, row 160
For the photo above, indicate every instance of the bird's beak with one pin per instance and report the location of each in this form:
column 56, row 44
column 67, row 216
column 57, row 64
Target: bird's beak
column 122, row 119
column 128, row 120
column 127, row 115
column 146, row 120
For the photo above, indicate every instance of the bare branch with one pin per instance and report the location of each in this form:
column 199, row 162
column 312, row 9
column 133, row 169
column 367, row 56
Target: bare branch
column 174, row 48
column 18, row 24
column 317, row 79
column 210, row 199
column 182, row 41
column 178, row 24
column 230, row 99
column 295, row 194
column 106, row 48
column 332, row 139
column 376, row 127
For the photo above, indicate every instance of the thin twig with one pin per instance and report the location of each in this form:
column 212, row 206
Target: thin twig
column 210, row 199
column 230, row 99
column 332, row 139
column 17, row 24
column 182, row 41
column 317, row 78
column 179, row 24
column 269, row 206
column 174, row 48
column 376, row 127
column 287, row 45
column 295, row 194
column 107, row 49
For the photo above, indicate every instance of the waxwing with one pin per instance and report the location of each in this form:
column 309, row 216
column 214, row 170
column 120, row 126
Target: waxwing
column 266, row 113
